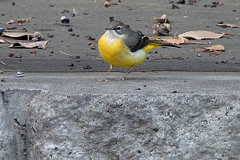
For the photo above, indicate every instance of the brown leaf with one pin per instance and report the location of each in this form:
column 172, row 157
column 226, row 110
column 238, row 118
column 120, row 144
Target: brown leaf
column 38, row 44
column 217, row 47
column 162, row 19
column 201, row 35
column 16, row 20
column 178, row 40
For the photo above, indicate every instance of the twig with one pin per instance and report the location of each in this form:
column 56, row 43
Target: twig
column 234, row 63
column 67, row 54
column 3, row 63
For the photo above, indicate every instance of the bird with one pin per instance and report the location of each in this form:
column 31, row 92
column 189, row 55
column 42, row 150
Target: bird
column 121, row 46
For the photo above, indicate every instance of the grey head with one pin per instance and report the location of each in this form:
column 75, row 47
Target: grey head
column 134, row 40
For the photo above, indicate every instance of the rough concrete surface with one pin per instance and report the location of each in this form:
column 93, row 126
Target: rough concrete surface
column 91, row 20
column 59, row 116
column 61, row 111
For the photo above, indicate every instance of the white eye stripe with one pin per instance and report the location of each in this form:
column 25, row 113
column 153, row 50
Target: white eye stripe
column 118, row 28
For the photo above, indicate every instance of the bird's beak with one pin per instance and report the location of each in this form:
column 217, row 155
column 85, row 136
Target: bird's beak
column 108, row 28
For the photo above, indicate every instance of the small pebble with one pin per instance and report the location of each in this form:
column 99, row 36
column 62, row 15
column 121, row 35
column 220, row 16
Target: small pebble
column 90, row 38
column 70, row 29
column 50, row 35
column 24, row 29
column 20, row 56
column 199, row 55
column 174, row 6
column 40, row 47
column 87, row 67
column 11, row 54
column 225, row 61
column 64, row 19
column 19, row 74
column 33, row 52
column 70, row 64
column 1, row 30
column 72, row 14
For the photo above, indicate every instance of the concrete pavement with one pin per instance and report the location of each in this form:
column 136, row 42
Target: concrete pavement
column 209, row 83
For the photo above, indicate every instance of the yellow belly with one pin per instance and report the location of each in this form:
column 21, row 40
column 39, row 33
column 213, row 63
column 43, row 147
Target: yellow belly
column 117, row 53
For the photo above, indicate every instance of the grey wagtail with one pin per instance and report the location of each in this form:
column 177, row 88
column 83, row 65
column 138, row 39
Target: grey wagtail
column 124, row 47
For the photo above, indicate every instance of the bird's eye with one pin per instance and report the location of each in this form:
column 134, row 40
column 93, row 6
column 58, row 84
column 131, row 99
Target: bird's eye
column 118, row 28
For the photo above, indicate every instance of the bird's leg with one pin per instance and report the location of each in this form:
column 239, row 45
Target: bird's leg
column 105, row 78
column 129, row 71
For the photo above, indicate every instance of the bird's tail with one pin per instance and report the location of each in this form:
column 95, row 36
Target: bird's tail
column 155, row 42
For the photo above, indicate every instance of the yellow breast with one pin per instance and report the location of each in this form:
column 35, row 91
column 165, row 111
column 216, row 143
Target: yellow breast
column 113, row 50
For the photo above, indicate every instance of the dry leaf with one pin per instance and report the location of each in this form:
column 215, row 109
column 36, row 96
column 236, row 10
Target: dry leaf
column 217, row 47
column 214, row 48
column 25, row 35
column 2, row 41
column 16, row 20
column 163, row 19
column 178, row 40
column 228, row 25
column 39, row 44
column 201, row 35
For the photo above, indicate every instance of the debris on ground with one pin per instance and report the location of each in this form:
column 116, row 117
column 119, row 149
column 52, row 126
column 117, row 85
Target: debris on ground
column 38, row 44
column 18, row 21
column 225, row 25
column 198, row 35
column 214, row 48
column 162, row 28
column 19, row 74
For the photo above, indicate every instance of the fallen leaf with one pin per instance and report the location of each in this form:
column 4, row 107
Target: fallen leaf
column 17, row 20
column 2, row 41
column 217, row 47
column 228, row 25
column 39, row 44
column 24, row 35
column 214, row 48
column 178, row 40
column 162, row 19
column 201, row 35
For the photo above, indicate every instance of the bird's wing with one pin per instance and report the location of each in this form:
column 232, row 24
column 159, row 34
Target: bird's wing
column 142, row 42
column 136, row 41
